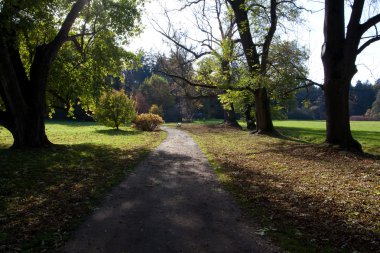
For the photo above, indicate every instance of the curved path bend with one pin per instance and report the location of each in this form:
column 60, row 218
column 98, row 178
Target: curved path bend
column 172, row 202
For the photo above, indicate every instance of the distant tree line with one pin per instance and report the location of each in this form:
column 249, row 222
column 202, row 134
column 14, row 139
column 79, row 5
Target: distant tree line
column 56, row 54
column 363, row 102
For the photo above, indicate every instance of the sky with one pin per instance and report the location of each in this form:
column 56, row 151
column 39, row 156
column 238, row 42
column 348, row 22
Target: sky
column 310, row 35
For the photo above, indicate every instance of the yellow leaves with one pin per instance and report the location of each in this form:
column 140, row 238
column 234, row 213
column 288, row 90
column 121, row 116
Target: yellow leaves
column 377, row 190
column 279, row 166
column 148, row 121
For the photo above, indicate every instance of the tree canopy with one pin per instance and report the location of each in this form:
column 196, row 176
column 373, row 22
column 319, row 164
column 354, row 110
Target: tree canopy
column 33, row 34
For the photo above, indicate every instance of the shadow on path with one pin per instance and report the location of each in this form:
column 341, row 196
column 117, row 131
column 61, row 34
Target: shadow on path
column 172, row 203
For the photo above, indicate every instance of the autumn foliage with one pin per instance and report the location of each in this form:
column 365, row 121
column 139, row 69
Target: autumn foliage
column 148, row 121
column 155, row 109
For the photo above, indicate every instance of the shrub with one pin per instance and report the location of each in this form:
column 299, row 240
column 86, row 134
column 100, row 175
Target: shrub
column 155, row 109
column 115, row 109
column 148, row 121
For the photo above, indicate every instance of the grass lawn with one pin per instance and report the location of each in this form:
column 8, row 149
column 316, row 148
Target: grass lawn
column 307, row 197
column 45, row 193
column 366, row 132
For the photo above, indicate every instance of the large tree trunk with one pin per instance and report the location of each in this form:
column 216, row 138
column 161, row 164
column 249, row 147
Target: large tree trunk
column 338, row 130
column 29, row 130
column 263, row 114
column 250, row 120
column 338, row 56
column 230, row 118
column 25, row 97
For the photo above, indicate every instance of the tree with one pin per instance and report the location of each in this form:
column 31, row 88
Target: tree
column 155, row 109
column 33, row 32
column 78, row 76
column 339, row 52
column 115, row 108
column 156, row 90
column 264, row 22
column 374, row 112
column 217, row 47
column 178, row 69
column 361, row 97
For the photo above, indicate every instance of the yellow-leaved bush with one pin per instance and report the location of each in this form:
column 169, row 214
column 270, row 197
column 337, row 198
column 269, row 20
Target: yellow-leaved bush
column 148, row 121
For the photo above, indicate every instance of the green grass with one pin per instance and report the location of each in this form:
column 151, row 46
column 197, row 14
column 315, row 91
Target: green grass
column 314, row 131
column 44, row 193
column 366, row 132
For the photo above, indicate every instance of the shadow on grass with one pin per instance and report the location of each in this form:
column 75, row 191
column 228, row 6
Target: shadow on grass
column 72, row 123
column 369, row 140
column 310, row 193
column 115, row 132
column 44, row 193
column 303, row 134
column 304, row 222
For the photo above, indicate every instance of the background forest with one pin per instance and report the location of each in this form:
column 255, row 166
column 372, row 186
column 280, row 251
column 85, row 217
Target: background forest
column 179, row 102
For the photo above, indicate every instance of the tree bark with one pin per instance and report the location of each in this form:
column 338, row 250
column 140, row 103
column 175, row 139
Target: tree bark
column 263, row 112
column 255, row 67
column 338, row 57
column 25, row 97
column 230, row 118
column 250, row 120
column 338, row 130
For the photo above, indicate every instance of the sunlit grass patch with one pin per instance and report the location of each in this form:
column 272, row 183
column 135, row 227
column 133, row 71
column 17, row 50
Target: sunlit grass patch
column 44, row 192
column 366, row 132
column 308, row 197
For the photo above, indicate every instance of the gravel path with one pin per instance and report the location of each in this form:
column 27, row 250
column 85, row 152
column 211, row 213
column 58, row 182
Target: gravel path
column 171, row 203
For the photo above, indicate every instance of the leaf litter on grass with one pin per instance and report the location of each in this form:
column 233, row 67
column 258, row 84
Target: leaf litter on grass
column 329, row 197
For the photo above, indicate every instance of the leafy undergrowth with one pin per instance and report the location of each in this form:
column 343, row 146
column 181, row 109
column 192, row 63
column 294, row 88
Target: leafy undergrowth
column 44, row 194
column 308, row 198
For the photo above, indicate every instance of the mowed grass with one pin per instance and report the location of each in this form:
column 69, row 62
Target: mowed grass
column 314, row 131
column 307, row 197
column 44, row 193
column 366, row 132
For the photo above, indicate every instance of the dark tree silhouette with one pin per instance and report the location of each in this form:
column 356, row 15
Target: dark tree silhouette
column 339, row 52
column 24, row 96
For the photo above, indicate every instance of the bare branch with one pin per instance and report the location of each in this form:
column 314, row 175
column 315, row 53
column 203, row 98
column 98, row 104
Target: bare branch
column 173, row 38
column 367, row 43
column 186, row 80
column 190, row 3
column 370, row 23
column 307, row 83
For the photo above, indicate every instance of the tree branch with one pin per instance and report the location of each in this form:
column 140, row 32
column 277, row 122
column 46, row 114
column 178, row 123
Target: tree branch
column 269, row 36
column 67, row 23
column 177, row 43
column 369, row 23
column 190, row 3
column 308, row 83
column 186, row 80
column 367, row 43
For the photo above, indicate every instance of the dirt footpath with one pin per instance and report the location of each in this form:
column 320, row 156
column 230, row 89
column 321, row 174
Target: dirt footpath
column 171, row 203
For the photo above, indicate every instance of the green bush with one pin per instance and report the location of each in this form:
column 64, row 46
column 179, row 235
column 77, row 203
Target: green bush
column 115, row 109
column 148, row 121
column 155, row 109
